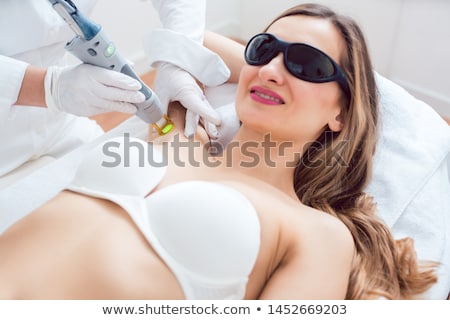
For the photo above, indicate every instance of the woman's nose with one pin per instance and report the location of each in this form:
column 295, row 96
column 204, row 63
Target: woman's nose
column 274, row 71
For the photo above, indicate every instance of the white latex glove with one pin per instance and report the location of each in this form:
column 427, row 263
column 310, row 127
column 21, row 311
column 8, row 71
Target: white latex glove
column 228, row 129
column 175, row 84
column 222, row 100
column 87, row 90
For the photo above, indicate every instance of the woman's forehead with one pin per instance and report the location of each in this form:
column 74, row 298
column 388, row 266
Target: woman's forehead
column 315, row 31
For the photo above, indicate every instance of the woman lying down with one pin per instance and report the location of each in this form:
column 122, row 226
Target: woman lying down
column 280, row 215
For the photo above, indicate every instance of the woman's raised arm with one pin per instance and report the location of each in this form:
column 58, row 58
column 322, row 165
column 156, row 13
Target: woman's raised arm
column 231, row 51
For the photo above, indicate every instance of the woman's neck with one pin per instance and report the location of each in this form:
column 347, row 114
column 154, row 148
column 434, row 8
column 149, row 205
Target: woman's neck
column 263, row 157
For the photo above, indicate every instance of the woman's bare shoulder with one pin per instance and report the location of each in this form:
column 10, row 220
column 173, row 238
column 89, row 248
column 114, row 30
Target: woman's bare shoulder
column 328, row 230
column 317, row 250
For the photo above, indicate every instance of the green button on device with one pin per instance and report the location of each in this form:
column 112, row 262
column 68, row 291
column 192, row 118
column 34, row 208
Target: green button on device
column 110, row 50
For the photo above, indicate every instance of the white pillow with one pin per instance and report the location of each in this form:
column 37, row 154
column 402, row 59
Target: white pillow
column 410, row 180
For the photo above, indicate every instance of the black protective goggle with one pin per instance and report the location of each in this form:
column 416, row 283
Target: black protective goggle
column 301, row 60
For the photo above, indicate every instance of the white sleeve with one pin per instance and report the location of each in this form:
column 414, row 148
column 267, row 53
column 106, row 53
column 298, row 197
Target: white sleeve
column 183, row 16
column 180, row 42
column 11, row 77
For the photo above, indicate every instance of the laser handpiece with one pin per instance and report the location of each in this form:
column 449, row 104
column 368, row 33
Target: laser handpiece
column 91, row 45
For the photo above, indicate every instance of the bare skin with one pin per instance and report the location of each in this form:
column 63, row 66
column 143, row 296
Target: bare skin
column 79, row 247
column 32, row 91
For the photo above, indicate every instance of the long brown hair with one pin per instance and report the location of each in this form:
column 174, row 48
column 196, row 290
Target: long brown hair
column 383, row 267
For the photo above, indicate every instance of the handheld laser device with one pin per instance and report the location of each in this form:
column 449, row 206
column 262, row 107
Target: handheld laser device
column 91, row 45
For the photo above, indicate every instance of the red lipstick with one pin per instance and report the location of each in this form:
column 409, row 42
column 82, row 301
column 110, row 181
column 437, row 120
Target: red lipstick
column 265, row 96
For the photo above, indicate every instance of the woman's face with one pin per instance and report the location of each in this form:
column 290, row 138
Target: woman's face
column 270, row 99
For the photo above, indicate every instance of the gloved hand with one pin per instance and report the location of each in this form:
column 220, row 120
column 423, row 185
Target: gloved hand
column 175, row 84
column 87, row 90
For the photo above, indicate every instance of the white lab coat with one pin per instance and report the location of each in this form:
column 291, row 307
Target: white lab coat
column 31, row 32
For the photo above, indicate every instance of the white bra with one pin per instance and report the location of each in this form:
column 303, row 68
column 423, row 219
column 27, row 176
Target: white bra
column 207, row 233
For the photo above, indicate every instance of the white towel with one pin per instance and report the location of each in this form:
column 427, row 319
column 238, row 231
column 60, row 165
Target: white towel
column 410, row 181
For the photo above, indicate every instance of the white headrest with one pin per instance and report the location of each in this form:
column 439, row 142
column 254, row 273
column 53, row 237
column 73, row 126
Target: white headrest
column 410, row 179
column 414, row 141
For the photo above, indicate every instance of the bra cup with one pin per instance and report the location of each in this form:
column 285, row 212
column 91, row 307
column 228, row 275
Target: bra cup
column 210, row 229
column 122, row 165
column 207, row 233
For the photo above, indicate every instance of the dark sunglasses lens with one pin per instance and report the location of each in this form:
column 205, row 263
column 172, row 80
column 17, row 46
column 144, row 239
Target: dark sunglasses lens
column 260, row 50
column 308, row 63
